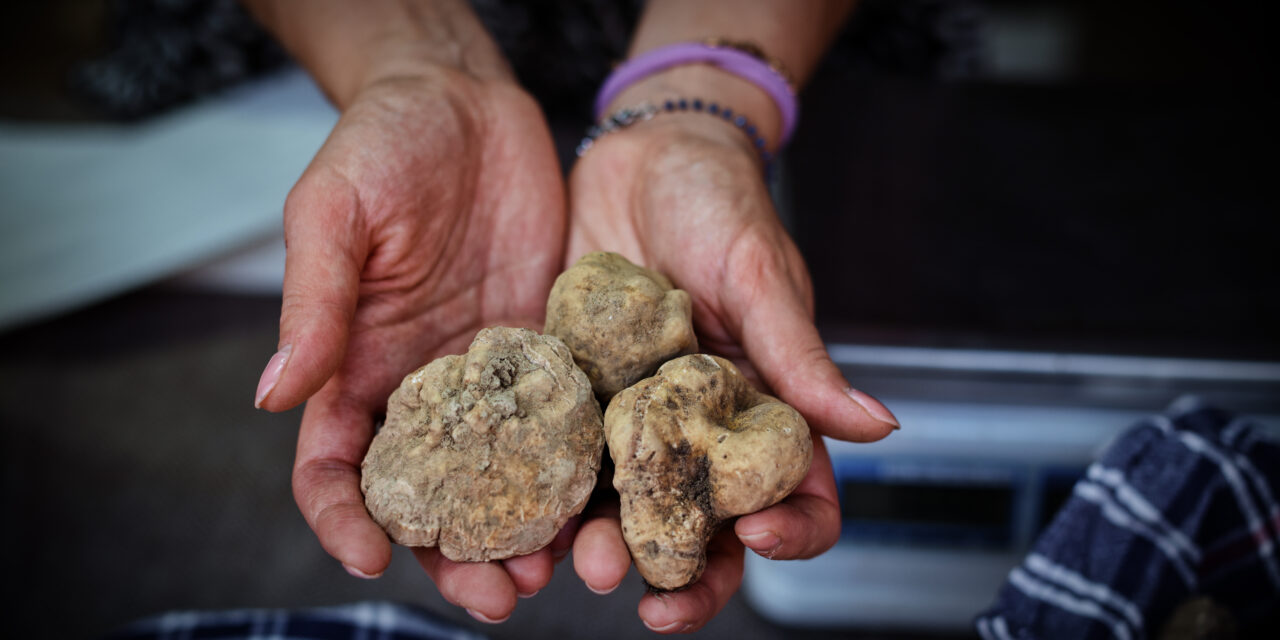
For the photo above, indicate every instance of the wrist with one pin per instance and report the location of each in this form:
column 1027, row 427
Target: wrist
column 348, row 46
column 710, row 85
column 430, row 60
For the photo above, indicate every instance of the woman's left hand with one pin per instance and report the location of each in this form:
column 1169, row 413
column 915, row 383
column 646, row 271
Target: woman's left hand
column 683, row 194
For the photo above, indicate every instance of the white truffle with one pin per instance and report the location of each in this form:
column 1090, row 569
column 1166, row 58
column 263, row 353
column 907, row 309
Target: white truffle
column 694, row 446
column 620, row 320
column 486, row 455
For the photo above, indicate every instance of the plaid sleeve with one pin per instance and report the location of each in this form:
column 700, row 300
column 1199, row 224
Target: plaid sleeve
column 359, row 621
column 1180, row 505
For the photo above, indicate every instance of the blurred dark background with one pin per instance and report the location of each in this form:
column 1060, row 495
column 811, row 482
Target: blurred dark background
column 1073, row 176
column 1098, row 182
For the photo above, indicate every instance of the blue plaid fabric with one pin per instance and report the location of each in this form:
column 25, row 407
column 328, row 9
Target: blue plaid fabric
column 1181, row 504
column 359, row 621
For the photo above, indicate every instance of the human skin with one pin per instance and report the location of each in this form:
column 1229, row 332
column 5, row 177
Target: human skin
column 434, row 209
column 683, row 193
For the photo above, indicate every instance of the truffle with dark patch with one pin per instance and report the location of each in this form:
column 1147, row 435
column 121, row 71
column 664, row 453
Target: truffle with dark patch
column 694, row 446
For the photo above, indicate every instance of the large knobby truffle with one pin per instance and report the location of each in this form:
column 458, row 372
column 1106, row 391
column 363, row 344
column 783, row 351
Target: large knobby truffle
column 620, row 320
column 693, row 446
column 487, row 454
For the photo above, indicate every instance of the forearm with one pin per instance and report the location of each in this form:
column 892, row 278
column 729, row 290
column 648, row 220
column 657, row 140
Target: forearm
column 347, row 45
column 796, row 34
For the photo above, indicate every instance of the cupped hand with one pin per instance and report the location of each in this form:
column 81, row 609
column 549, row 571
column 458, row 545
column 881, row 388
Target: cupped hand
column 683, row 193
column 434, row 209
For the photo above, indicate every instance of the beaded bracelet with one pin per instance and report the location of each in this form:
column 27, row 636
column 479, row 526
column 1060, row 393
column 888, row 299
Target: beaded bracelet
column 745, row 60
column 627, row 116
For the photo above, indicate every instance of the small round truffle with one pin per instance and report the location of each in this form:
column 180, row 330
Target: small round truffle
column 620, row 320
column 693, row 446
column 487, row 454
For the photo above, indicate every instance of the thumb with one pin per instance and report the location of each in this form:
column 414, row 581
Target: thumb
column 325, row 250
column 780, row 339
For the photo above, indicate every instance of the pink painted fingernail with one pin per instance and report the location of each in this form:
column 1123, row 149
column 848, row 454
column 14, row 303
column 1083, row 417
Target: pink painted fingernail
column 603, row 592
column 671, row 627
column 873, row 407
column 528, row 595
column 486, row 619
column 360, row 574
column 765, row 543
column 271, row 375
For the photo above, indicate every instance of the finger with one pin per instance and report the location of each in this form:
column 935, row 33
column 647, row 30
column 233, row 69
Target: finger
column 484, row 589
column 778, row 334
column 689, row 609
column 563, row 542
column 805, row 524
column 326, row 485
column 600, row 555
column 325, row 252
column 530, row 573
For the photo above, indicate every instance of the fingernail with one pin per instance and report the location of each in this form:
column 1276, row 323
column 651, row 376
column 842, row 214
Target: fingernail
column 528, row 595
column 676, row 626
column 603, row 592
column 873, row 407
column 486, row 619
column 271, row 375
column 765, row 543
column 360, row 574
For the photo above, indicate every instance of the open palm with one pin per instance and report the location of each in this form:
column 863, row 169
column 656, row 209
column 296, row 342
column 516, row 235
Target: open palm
column 434, row 209
column 683, row 194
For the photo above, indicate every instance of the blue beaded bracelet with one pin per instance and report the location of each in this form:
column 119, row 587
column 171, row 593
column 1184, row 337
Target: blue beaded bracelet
column 627, row 116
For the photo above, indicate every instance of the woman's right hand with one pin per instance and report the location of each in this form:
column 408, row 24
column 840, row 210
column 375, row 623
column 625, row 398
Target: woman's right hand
column 434, row 209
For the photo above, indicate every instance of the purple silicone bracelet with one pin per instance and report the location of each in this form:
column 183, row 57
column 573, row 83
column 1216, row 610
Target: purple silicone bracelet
column 738, row 63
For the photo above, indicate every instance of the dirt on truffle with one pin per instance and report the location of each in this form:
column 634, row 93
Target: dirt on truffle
column 694, row 446
column 486, row 455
